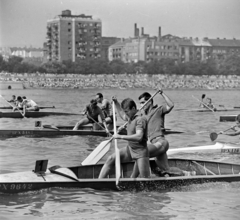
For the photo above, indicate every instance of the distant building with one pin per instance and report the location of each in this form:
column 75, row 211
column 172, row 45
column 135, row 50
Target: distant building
column 106, row 42
column 72, row 37
column 142, row 47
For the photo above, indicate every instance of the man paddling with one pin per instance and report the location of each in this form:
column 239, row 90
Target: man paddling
column 92, row 111
column 158, row 145
column 13, row 100
column 26, row 104
column 137, row 141
column 106, row 107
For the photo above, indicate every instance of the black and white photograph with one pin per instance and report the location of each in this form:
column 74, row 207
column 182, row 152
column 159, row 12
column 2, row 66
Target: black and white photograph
column 120, row 110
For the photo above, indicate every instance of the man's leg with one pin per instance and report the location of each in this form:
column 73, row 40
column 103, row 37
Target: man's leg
column 158, row 150
column 143, row 166
column 82, row 122
column 110, row 162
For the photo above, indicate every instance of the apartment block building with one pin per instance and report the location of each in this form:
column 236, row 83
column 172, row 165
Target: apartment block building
column 142, row 47
column 72, row 37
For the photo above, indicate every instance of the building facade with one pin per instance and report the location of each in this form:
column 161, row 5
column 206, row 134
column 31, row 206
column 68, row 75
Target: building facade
column 73, row 37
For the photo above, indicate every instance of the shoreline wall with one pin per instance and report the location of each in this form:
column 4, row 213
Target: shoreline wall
column 123, row 81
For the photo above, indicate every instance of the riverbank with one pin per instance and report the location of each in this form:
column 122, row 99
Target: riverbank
column 124, row 81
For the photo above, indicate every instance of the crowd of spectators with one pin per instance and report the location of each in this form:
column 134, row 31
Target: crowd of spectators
column 124, row 81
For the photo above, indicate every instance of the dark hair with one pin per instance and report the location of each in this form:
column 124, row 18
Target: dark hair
column 145, row 95
column 128, row 103
column 19, row 98
column 24, row 97
column 100, row 95
column 93, row 102
column 203, row 96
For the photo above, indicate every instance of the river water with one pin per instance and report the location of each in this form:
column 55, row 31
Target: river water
column 203, row 201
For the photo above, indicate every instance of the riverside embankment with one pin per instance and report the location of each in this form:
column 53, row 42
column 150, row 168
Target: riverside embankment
column 123, row 81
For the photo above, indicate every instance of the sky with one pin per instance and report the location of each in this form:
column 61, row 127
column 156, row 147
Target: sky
column 23, row 22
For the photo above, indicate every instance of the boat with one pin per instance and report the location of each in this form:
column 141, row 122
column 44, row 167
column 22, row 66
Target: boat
column 33, row 114
column 226, row 118
column 50, row 131
column 200, row 171
column 206, row 110
column 41, row 107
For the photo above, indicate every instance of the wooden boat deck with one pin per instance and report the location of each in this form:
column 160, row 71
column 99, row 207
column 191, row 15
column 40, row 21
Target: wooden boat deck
column 87, row 177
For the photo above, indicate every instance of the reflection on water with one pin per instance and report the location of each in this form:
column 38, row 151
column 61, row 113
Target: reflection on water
column 201, row 201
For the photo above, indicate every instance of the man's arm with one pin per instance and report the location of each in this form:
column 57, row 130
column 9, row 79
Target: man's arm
column 169, row 102
column 119, row 109
column 134, row 137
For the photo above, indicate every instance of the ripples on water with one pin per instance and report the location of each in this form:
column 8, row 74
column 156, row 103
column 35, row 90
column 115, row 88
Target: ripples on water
column 201, row 201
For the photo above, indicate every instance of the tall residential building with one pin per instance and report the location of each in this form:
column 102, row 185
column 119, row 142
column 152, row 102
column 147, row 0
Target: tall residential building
column 72, row 37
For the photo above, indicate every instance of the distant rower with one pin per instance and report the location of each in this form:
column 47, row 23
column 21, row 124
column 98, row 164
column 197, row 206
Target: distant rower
column 26, row 104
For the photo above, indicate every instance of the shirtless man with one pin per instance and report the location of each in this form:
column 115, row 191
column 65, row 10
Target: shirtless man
column 26, row 104
column 137, row 141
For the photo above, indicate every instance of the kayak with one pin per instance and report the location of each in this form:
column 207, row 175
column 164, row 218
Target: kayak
column 226, row 118
column 41, row 107
column 50, row 131
column 33, row 114
column 198, row 172
column 207, row 110
column 218, row 147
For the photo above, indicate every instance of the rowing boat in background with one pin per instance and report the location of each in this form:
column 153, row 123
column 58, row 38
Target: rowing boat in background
column 200, row 171
column 51, row 131
column 41, row 107
column 39, row 114
column 227, row 118
column 206, row 110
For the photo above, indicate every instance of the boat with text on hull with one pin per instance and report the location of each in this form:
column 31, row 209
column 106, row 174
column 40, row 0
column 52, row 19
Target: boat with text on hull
column 207, row 110
column 200, row 171
column 51, row 131
column 41, row 107
column 33, row 114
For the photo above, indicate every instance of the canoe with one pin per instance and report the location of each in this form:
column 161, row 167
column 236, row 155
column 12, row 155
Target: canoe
column 87, row 177
column 218, row 147
column 226, row 118
column 39, row 114
column 63, row 131
column 41, row 107
column 206, row 110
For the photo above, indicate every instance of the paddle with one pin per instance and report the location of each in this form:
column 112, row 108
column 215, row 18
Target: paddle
column 13, row 106
column 117, row 152
column 53, row 170
column 214, row 135
column 104, row 146
column 51, row 127
column 98, row 124
column 204, row 104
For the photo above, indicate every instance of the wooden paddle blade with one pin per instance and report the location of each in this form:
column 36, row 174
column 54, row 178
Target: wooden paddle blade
column 51, row 127
column 213, row 136
column 98, row 153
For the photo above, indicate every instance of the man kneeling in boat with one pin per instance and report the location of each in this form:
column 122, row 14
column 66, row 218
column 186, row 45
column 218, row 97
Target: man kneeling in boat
column 26, row 104
column 137, row 141
column 93, row 113
column 106, row 107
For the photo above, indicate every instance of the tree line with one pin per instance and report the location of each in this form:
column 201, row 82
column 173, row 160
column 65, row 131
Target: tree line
column 230, row 65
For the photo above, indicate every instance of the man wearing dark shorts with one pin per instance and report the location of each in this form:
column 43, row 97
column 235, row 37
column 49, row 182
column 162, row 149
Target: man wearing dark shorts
column 92, row 111
column 137, row 141
column 106, row 107
column 158, row 145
